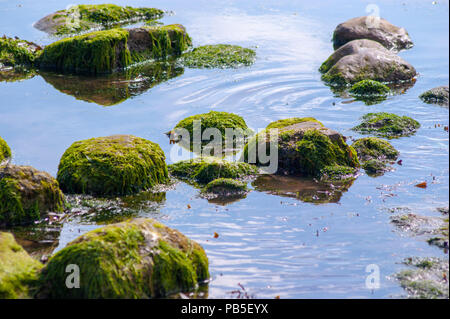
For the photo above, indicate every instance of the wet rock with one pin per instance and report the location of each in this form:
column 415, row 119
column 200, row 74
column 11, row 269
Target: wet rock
column 226, row 187
column 112, row 50
column 79, row 18
column 27, row 195
column 437, row 95
column 219, row 56
column 426, row 279
column 113, row 89
column 213, row 120
column 387, row 125
column 305, row 148
column 365, row 60
column 369, row 91
column 374, row 154
column 112, row 165
column 18, row 271
column 17, row 53
column 207, row 169
column 140, row 258
column 372, row 28
column 5, row 151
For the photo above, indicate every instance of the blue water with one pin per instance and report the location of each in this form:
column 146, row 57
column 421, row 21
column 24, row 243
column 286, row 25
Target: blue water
column 267, row 243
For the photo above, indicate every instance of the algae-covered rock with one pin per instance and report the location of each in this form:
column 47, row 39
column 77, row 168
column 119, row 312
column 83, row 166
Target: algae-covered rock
column 219, row 56
column 79, row 18
column 18, row 271
column 426, row 279
column 365, row 60
column 111, row 50
column 370, row 91
column 226, row 186
column 5, row 151
column 387, row 125
column 334, row 173
column 17, row 53
column 26, row 195
column 437, row 95
column 140, row 258
column 206, row 169
column 374, row 154
column 221, row 121
column 112, row 165
column 305, row 147
column 113, row 89
column 372, row 28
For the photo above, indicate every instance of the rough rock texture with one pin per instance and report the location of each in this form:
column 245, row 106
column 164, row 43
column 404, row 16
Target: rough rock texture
column 17, row 53
column 5, row 151
column 79, row 18
column 380, row 30
column 437, row 95
column 112, row 165
column 219, row 56
column 27, row 194
column 140, row 258
column 374, row 154
column 387, row 125
column 18, row 271
column 207, row 169
column 305, row 148
column 111, row 50
column 365, row 60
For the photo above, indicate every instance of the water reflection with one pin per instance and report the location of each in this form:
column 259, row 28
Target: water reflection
column 304, row 189
column 108, row 90
column 13, row 75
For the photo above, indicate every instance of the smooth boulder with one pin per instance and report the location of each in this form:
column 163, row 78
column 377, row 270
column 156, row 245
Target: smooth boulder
column 372, row 28
column 140, row 258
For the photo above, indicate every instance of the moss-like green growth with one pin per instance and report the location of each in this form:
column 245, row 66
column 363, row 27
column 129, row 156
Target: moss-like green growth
column 374, row 154
column 369, row 88
column 18, row 271
column 304, row 147
column 207, row 169
column 80, row 18
column 5, row 151
column 135, row 259
column 290, row 121
column 387, row 125
column 113, row 165
column 217, row 120
column 337, row 173
column 27, row 195
column 438, row 95
column 219, row 56
column 111, row 50
column 16, row 52
column 225, row 186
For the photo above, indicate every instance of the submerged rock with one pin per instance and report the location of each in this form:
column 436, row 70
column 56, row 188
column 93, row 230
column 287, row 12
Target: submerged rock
column 111, row 50
column 365, row 60
column 5, row 151
column 113, row 89
column 79, row 18
column 369, row 91
column 387, row 125
column 222, row 121
column 18, row 271
column 374, row 154
column 219, row 56
column 427, row 278
column 305, row 147
column 207, row 169
column 112, row 165
column 372, row 28
column 27, row 195
column 140, row 258
column 17, row 53
column 437, row 95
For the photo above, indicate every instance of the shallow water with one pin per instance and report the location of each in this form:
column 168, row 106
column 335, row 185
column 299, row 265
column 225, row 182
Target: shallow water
column 272, row 243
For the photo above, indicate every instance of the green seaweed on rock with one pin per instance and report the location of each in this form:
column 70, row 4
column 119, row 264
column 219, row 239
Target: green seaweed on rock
column 387, row 125
column 219, row 56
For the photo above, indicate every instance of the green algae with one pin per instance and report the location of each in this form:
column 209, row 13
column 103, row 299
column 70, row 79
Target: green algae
column 26, row 195
column 113, row 165
column 16, row 52
column 225, row 186
column 374, row 154
column 18, row 271
column 438, row 95
column 387, row 125
column 219, row 56
column 135, row 259
column 207, row 169
column 337, row 173
column 5, row 151
column 290, row 121
column 369, row 91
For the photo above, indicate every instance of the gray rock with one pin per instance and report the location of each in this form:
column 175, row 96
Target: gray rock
column 437, row 95
column 380, row 30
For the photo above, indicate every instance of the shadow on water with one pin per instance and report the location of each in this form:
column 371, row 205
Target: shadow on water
column 304, row 189
column 112, row 89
